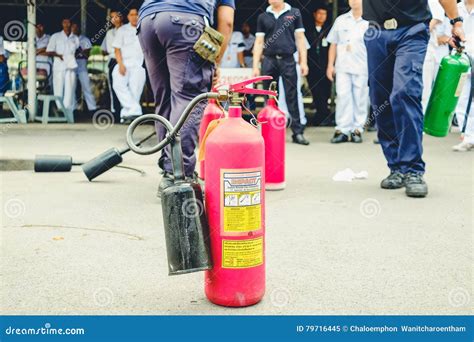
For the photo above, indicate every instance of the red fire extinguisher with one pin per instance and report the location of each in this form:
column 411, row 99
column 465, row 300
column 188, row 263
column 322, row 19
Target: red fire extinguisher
column 212, row 112
column 234, row 199
column 235, row 205
column 273, row 128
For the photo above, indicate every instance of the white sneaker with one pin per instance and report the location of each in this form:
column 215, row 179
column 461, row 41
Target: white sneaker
column 463, row 147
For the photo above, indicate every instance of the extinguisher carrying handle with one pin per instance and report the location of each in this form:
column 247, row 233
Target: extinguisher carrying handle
column 242, row 87
column 460, row 46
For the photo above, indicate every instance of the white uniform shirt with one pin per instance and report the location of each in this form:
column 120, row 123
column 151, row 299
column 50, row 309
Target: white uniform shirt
column 42, row 43
column 437, row 11
column 348, row 34
column 65, row 46
column 236, row 45
column 107, row 43
column 249, row 43
column 126, row 40
column 468, row 27
column 442, row 29
column 84, row 44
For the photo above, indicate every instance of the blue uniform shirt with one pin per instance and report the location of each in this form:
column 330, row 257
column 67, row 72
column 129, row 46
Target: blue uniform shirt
column 279, row 30
column 204, row 8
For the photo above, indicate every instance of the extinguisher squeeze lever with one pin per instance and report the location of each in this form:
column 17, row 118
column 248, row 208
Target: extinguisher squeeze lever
column 223, row 93
column 242, row 88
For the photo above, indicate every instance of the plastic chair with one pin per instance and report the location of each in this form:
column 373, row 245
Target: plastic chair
column 44, row 90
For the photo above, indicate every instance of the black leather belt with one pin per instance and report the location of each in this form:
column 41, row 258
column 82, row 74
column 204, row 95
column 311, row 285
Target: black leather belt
column 279, row 56
column 393, row 24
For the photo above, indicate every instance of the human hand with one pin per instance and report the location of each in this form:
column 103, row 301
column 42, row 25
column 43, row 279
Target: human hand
column 304, row 69
column 458, row 35
column 217, row 76
column 122, row 69
column 331, row 72
column 256, row 72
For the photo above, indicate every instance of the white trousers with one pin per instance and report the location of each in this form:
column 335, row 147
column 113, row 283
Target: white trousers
column 129, row 88
column 282, row 98
column 83, row 76
column 461, row 111
column 430, row 70
column 64, row 86
column 352, row 102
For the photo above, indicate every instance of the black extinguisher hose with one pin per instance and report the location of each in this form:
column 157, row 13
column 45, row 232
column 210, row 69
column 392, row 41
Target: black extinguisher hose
column 471, row 95
column 173, row 132
column 461, row 49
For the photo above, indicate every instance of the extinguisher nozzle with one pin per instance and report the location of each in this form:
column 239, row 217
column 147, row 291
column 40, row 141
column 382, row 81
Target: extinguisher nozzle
column 50, row 163
column 102, row 163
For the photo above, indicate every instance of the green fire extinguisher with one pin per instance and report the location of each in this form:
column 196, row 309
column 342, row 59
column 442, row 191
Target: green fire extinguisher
column 452, row 75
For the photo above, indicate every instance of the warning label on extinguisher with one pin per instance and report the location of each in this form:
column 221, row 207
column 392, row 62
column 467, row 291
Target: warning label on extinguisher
column 242, row 253
column 242, row 209
column 462, row 82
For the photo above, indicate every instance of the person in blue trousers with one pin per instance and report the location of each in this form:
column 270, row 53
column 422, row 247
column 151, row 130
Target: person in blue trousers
column 4, row 78
column 396, row 42
column 167, row 31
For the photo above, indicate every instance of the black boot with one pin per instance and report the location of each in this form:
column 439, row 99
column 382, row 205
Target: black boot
column 356, row 137
column 339, row 137
column 395, row 180
column 415, row 185
column 300, row 139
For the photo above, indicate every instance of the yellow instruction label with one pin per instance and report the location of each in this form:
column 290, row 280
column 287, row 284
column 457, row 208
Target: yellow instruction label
column 242, row 253
column 242, row 203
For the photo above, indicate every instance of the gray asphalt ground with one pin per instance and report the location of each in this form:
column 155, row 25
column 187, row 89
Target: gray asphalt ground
column 73, row 247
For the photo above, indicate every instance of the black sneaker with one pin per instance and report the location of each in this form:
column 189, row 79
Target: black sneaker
column 371, row 129
column 339, row 137
column 395, row 180
column 166, row 181
column 126, row 120
column 415, row 185
column 356, row 137
column 300, row 139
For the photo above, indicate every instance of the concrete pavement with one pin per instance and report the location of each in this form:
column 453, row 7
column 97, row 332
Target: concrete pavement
column 73, row 247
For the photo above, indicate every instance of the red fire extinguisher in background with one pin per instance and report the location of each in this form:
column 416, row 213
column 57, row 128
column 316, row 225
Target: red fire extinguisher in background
column 273, row 127
column 212, row 112
column 235, row 204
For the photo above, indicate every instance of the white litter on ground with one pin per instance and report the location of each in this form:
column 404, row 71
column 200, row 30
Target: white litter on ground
column 348, row 175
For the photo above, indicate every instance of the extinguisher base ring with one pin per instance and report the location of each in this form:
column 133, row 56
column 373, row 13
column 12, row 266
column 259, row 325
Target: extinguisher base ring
column 275, row 186
column 435, row 133
column 191, row 270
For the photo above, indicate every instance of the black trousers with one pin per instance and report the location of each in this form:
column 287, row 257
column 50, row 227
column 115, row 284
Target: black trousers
column 115, row 103
column 321, row 90
column 286, row 68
